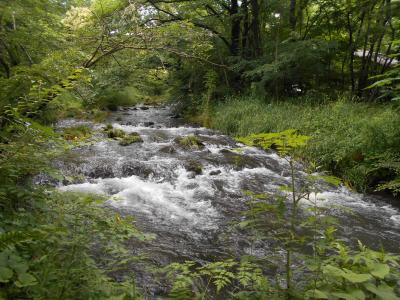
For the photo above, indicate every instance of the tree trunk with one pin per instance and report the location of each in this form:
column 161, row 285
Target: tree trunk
column 351, row 47
column 245, row 31
column 292, row 15
column 235, row 29
column 255, row 28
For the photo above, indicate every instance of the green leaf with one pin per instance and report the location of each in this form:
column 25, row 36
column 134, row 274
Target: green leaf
column 5, row 274
column 380, row 270
column 25, row 279
column 383, row 291
column 358, row 294
column 332, row 271
column 316, row 294
column 344, row 296
column 332, row 180
column 355, row 277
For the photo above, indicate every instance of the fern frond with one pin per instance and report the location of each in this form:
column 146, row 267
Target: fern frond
column 11, row 238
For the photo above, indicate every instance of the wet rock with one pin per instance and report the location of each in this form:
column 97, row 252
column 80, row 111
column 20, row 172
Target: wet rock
column 144, row 108
column 128, row 123
column 191, row 175
column 77, row 179
column 130, row 139
column 168, row 150
column 45, row 179
column 195, row 167
column 192, row 186
column 115, row 133
column 218, row 140
column 136, row 169
column 108, row 127
column 239, row 161
column 177, row 116
column 101, row 172
column 148, row 124
column 190, row 142
column 215, row 173
column 134, row 108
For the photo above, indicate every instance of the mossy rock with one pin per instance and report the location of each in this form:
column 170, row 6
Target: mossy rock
column 108, row 127
column 131, row 139
column 116, row 134
column 79, row 133
column 195, row 167
column 190, row 142
column 239, row 161
column 282, row 142
column 168, row 150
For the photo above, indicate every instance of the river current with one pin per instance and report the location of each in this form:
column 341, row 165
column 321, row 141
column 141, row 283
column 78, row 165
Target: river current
column 192, row 214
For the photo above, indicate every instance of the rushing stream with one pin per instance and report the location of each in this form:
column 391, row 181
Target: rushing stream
column 192, row 215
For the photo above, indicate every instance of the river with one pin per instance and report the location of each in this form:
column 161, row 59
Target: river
column 192, row 215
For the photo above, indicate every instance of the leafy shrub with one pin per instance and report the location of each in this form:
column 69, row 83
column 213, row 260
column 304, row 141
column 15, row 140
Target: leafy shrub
column 64, row 106
column 361, row 274
column 112, row 99
column 51, row 243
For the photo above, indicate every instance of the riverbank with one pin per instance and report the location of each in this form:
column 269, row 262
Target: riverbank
column 358, row 142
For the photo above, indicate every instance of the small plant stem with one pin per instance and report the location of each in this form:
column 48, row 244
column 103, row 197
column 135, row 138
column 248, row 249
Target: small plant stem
column 291, row 233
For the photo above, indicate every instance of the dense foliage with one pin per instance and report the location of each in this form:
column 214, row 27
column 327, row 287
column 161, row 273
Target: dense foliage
column 356, row 141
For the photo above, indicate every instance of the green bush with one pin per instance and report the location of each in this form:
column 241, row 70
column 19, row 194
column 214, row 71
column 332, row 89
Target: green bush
column 52, row 243
column 111, row 99
column 353, row 140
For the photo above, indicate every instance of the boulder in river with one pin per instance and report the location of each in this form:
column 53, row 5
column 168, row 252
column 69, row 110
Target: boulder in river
column 136, row 169
column 240, row 161
column 148, row 124
column 168, row 150
column 215, row 173
column 130, row 139
column 177, row 116
column 195, row 167
column 115, row 133
column 190, row 142
column 101, row 171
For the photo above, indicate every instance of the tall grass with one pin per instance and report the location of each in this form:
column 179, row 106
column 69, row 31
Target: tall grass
column 358, row 141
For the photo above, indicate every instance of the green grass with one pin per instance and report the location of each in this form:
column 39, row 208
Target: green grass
column 131, row 139
column 81, row 132
column 359, row 142
column 190, row 142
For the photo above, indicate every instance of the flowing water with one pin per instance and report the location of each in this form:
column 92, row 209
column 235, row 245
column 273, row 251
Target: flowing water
column 192, row 214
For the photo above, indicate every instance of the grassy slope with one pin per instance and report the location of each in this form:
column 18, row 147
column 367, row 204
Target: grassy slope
column 357, row 141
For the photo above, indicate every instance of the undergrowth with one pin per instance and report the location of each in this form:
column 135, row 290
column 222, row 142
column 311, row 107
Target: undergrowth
column 55, row 245
column 359, row 142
